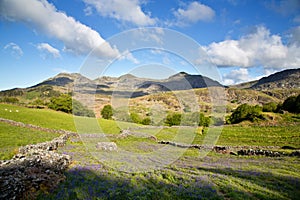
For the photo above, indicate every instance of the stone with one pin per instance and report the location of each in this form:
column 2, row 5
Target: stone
column 35, row 166
column 107, row 146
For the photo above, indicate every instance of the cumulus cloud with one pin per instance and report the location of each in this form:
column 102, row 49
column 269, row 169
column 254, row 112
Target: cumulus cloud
column 45, row 47
column 88, row 11
column 123, row 10
column 236, row 76
column 14, row 50
column 285, row 7
column 193, row 13
column 44, row 17
column 128, row 56
column 259, row 48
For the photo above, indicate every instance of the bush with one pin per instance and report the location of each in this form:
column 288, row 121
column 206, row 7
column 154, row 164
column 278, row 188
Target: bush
column 146, row 121
column 135, row 118
column 65, row 104
column 9, row 100
column 270, row 107
column 61, row 103
column 292, row 104
column 173, row 119
column 203, row 121
column 246, row 112
column 107, row 112
column 81, row 110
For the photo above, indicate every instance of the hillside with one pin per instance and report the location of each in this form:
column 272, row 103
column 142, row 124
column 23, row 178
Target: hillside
column 286, row 79
column 145, row 93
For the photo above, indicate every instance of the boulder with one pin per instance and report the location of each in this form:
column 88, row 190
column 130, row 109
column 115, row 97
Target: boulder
column 107, row 146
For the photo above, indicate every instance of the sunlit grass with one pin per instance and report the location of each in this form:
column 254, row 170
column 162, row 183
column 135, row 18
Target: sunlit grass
column 13, row 137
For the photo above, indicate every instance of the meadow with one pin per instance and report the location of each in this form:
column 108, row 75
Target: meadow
column 191, row 176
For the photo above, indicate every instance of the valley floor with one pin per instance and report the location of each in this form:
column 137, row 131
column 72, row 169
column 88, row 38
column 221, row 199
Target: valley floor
column 190, row 176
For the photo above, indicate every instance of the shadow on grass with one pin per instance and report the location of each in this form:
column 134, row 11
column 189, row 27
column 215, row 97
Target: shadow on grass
column 198, row 183
column 88, row 184
column 254, row 184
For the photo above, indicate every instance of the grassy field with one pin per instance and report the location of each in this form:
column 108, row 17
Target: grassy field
column 215, row 176
column 13, row 137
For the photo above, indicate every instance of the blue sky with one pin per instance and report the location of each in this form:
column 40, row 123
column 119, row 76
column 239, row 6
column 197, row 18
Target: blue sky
column 245, row 40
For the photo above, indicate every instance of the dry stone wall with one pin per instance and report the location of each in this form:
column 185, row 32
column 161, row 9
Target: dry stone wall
column 36, row 168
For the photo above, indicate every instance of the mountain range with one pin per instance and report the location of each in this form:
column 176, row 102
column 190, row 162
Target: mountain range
column 148, row 92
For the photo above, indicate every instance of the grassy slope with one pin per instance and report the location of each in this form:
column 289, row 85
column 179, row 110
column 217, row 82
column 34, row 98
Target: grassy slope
column 190, row 177
column 13, row 137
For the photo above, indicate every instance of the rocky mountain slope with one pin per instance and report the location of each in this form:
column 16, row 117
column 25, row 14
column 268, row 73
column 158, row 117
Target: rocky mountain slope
column 287, row 79
column 149, row 92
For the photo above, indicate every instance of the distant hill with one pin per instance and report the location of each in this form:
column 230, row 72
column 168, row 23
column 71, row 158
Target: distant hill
column 287, row 79
column 149, row 92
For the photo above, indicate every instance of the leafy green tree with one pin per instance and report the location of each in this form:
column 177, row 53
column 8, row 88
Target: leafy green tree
column 107, row 112
column 135, row 118
column 9, row 100
column 203, row 121
column 146, row 121
column 270, row 107
column 173, row 119
column 61, row 103
column 246, row 112
column 292, row 104
column 65, row 104
column 81, row 110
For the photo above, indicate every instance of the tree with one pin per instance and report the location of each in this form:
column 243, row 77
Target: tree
column 173, row 119
column 81, row 110
column 246, row 112
column 107, row 112
column 203, row 121
column 65, row 104
column 135, row 118
column 269, row 107
column 292, row 104
column 61, row 103
column 146, row 121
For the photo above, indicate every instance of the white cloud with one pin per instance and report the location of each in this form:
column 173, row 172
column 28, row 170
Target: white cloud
column 294, row 36
column 236, row 76
column 256, row 49
column 193, row 13
column 14, row 50
column 285, row 7
column 45, row 47
column 44, row 17
column 297, row 19
column 123, row 10
column 88, row 11
column 128, row 56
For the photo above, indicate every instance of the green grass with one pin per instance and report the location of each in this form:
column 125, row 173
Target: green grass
column 13, row 137
column 212, row 177
column 40, row 117
column 215, row 176
column 59, row 120
column 261, row 135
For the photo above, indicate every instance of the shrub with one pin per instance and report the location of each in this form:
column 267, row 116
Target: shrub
column 135, row 118
column 173, row 119
column 61, row 103
column 246, row 112
column 9, row 100
column 146, row 121
column 65, row 104
column 270, row 107
column 107, row 112
column 292, row 104
column 81, row 110
column 203, row 121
